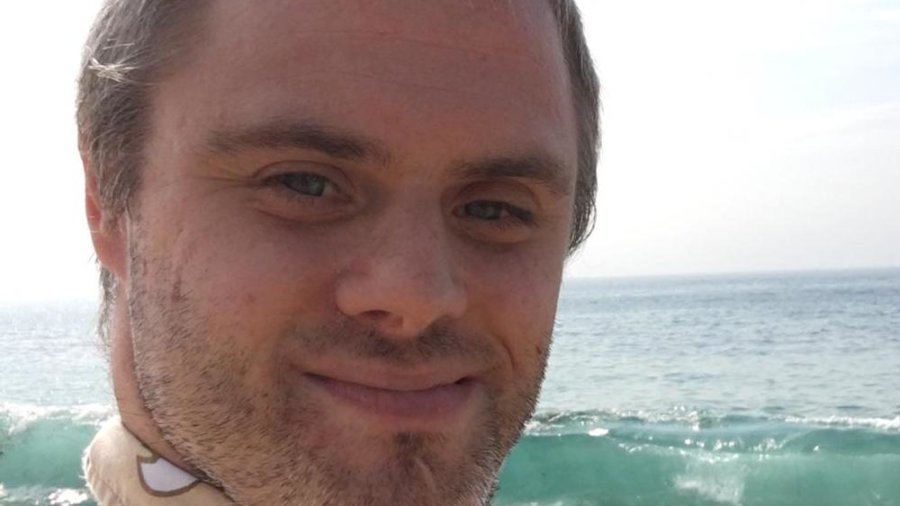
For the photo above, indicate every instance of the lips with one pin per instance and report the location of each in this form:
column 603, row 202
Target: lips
column 403, row 401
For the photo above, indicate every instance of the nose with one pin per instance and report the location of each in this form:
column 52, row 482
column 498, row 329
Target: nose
column 404, row 277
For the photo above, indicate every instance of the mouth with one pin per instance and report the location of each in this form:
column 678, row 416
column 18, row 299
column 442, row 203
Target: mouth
column 401, row 403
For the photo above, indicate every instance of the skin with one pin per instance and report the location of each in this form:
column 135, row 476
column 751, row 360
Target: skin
column 377, row 193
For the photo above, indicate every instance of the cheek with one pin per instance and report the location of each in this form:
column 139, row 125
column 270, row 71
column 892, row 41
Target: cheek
column 256, row 277
column 516, row 294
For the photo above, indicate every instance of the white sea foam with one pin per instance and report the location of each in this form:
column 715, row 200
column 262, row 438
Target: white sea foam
column 593, row 423
column 885, row 424
column 723, row 492
column 68, row 497
column 41, row 495
column 717, row 478
column 19, row 417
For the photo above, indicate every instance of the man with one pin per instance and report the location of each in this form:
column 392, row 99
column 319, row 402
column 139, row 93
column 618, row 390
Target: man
column 332, row 234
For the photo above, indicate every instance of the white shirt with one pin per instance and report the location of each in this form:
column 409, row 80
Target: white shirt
column 121, row 471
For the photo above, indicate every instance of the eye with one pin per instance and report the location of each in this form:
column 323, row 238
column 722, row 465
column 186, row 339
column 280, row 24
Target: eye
column 305, row 192
column 305, row 183
column 496, row 221
column 485, row 210
column 496, row 211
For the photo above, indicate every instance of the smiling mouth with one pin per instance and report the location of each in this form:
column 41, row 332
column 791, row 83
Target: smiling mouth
column 436, row 403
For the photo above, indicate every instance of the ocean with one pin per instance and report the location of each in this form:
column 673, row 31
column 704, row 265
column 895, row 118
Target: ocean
column 744, row 390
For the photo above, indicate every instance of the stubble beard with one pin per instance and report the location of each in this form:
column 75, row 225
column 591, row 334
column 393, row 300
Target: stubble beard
column 257, row 446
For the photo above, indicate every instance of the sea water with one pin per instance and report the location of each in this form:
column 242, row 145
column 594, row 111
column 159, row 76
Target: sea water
column 753, row 390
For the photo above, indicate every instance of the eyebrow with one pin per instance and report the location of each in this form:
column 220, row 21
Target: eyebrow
column 298, row 135
column 541, row 168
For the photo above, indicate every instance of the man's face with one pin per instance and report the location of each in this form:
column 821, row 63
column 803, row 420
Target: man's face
column 346, row 252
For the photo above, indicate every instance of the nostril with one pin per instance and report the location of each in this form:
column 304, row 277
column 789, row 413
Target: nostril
column 397, row 302
column 376, row 314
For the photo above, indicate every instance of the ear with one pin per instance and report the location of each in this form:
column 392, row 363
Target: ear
column 107, row 233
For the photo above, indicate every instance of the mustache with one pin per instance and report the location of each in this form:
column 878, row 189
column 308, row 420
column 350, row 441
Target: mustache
column 348, row 337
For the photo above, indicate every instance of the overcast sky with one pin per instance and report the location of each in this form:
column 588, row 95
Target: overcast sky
column 738, row 136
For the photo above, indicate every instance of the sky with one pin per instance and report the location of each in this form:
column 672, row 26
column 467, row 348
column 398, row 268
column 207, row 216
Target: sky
column 738, row 137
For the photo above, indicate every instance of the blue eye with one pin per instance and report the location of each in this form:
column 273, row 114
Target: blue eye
column 305, row 192
column 485, row 210
column 305, row 183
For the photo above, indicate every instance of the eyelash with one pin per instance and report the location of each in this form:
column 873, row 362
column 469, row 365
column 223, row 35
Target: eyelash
column 515, row 216
column 280, row 184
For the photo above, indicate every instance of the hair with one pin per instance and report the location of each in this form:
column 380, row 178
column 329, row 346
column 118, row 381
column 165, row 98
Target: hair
column 586, row 94
column 134, row 43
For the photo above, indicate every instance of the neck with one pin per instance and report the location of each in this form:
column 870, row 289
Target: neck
column 135, row 415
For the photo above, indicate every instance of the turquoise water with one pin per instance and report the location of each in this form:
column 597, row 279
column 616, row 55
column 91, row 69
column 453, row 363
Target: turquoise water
column 743, row 390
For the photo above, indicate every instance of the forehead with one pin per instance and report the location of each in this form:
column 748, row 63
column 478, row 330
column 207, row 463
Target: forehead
column 385, row 67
